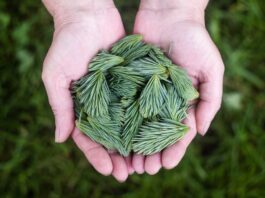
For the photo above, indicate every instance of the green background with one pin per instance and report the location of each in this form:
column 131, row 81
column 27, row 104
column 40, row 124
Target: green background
column 228, row 162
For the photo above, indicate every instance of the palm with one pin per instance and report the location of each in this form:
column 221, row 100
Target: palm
column 188, row 45
column 74, row 44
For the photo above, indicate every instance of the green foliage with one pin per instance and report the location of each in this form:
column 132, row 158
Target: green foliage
column 157, row 55
column 130, row 48
column 133, row 120
column 116, row 112
column 160, row 134
column 182, row 84
column 175, row 107
column 94, row 104
column 127, row 73
column 144, row 102
column 152, row 97
column 104, row 61
column 86, row 128
column 226, row 162
column 147, row 67
column 122, row 87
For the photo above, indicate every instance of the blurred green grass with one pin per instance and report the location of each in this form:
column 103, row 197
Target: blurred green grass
column 228, row 162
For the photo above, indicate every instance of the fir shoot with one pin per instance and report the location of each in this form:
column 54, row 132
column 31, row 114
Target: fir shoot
column 133, row 98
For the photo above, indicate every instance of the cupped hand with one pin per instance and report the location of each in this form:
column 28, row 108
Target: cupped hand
column 182, row 34
column 79, row 35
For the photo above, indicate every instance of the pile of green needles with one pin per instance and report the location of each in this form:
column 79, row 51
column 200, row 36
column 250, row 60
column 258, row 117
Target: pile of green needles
column 133, row 98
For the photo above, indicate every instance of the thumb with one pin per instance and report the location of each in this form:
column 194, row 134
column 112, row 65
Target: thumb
column 57, row 87
column 211, row 89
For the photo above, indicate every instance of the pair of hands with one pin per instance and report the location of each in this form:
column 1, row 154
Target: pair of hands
column 80, row 34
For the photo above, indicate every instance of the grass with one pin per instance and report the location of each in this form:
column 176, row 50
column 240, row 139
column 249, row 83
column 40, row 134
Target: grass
column 228, row 162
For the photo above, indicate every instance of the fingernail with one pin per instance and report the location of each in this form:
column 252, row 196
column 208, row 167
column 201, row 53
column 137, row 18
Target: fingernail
column 140, row 172
column 57, row 135
column 131, row 170
column 205, row 128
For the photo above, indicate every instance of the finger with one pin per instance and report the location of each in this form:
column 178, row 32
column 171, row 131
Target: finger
column 97, row 156
column 172, row 155
column 153, row 163
column 138, row 163
column 211, row 89
column 128, row 161
column 57, row 87
column 120, row 171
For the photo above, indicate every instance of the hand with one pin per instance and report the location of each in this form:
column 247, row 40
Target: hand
column 80, row 32
column 181, row 32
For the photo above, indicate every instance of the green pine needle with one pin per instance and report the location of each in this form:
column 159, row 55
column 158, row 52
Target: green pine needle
column 77, row 106
column 133, row 98
column 130, row 48
column 158, row 56
column 116, row 112
column 155, row 136
column 109, row 131
column 127, row 101
column 133, row 120
column 147, row 67
column 136, row 53
column 114, row 98
column 105, row 126
column 86, row 128
column 175, row 107
column 182, row 83
column 95, row 104
column 123, row 87
column 127, row 73
column 152, row 97
column 104, row 61
column 125, row 44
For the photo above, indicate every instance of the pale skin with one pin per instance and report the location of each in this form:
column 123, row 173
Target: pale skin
column 83, row 27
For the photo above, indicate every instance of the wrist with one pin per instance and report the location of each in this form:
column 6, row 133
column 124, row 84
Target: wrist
column 181, row 10
column 73, row 11
column 174, row 4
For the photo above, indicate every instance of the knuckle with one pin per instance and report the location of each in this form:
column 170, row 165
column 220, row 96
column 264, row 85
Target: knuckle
column 91, row 149
column 75, row 135
column 183, row 146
